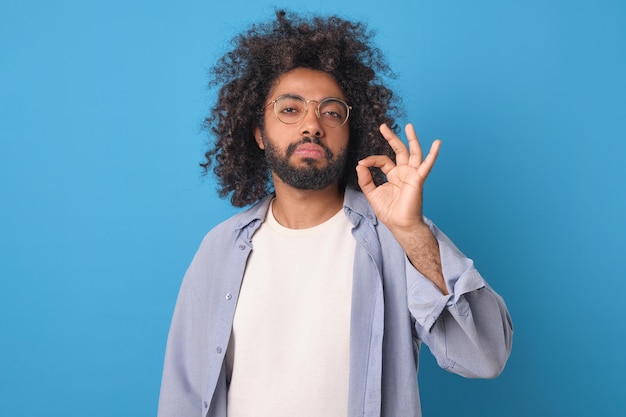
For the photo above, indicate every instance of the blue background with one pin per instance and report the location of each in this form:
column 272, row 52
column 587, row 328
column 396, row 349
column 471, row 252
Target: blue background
column 102, row 204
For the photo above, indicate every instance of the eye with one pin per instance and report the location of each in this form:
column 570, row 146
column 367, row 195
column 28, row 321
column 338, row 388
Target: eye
column 289, row 110
column 290, row 106
column 333, row 109
column 333, row 114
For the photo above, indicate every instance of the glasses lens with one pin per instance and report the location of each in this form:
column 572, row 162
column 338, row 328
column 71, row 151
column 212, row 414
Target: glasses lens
column 333, row 112
column 290, row 109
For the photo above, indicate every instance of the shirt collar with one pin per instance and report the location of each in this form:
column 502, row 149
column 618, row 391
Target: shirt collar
column 355, row 206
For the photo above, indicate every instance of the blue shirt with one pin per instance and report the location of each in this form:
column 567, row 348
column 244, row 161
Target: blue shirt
column 394, row 310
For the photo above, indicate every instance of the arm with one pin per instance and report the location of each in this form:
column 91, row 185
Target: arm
column 180, row 388
column 465, row 324
column 398, row 202
column 469, row 331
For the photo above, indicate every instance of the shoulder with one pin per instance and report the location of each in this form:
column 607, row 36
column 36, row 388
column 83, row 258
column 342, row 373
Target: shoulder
column 242, row 224
column 223, row 243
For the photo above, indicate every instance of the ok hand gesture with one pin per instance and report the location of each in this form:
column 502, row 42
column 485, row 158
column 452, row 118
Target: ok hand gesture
column 398, row 202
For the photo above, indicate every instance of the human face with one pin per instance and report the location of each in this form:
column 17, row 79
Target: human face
column 307, row 154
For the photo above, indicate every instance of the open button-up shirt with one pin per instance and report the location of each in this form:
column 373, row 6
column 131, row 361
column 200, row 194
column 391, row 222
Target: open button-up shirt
column 394, row 310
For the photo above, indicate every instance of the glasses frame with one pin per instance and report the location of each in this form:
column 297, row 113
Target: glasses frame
column 306, row 109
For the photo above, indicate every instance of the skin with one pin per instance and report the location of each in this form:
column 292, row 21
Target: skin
column 292, row 207
column 397, row 203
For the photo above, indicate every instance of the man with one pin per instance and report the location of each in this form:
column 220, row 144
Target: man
column 315, row 301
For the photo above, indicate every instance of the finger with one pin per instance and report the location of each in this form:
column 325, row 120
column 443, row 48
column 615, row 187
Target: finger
column 378, row 161
column 365, row 180
column 428, row 163
column 399, row 148
column 415, row 150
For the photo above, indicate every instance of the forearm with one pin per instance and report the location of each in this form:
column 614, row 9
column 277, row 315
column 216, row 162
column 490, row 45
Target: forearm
column 422, row 250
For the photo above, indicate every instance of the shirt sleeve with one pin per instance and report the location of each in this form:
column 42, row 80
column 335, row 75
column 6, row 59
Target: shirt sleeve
column 182, row 370
column 469, row 330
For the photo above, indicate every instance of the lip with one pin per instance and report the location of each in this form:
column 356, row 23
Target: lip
column 310, row 150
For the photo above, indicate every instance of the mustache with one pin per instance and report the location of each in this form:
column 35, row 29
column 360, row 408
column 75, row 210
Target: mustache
column 307, row 139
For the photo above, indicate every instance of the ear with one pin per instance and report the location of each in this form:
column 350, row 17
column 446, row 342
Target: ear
column 258, row 137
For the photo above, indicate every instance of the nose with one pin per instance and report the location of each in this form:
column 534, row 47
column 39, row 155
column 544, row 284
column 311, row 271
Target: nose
column 311, row 125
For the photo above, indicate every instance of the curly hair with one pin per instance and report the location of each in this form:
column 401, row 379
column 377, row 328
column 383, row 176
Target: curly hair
column 247, row 73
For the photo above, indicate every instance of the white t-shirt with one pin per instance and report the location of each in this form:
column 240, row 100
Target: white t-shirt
column 289, row 353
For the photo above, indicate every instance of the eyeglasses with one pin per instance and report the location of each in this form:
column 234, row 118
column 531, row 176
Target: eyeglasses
column 290, row 109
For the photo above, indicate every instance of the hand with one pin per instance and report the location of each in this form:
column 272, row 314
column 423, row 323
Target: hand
column 398, row 202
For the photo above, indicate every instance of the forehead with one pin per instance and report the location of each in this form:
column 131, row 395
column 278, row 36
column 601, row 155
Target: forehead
column 309, row 83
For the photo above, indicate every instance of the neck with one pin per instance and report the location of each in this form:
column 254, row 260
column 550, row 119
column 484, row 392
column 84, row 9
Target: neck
column 301, row 209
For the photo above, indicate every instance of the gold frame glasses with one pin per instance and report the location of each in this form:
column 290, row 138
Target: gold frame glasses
column 291, row 109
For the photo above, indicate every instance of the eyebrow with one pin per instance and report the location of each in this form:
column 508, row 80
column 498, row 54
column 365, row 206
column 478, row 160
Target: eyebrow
column 291, row 95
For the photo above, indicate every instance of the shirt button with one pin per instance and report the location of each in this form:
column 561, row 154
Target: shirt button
column 229, row 296
column 242, row 247
column 218, row 349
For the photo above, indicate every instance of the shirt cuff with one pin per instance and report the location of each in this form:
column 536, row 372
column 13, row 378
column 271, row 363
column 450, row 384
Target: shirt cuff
column 425, row 300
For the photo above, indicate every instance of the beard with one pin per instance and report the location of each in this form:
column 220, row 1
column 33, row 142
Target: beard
column 308, row 177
